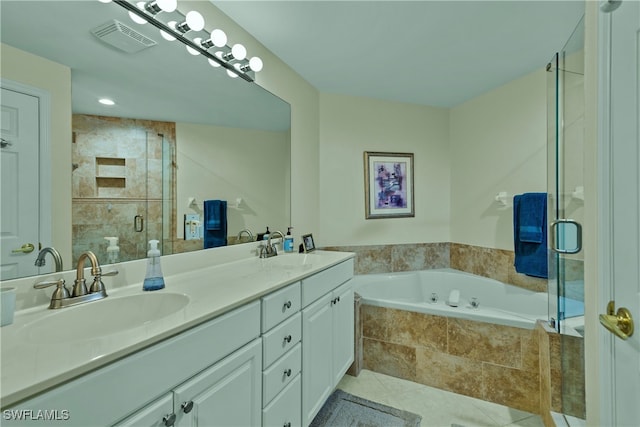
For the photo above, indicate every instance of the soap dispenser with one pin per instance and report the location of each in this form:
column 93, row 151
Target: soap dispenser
column 288, row 241
column 113, row 250
column 153, row 280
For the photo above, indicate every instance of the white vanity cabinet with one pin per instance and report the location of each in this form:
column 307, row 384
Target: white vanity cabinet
column 282, row 357
column 131, row 387
column 327, row 335
column 227, row 394
column 270, row 362
column 157, row 414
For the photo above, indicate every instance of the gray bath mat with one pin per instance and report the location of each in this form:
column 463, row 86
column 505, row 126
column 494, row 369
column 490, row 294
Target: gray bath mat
column 346, row 410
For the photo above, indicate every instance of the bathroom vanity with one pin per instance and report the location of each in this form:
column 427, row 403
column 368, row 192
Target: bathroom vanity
column 252, row 342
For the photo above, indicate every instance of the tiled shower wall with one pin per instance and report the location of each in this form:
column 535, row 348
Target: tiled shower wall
column 117, row 175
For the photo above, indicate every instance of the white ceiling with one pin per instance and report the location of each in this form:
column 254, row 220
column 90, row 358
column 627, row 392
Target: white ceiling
column 438, row 53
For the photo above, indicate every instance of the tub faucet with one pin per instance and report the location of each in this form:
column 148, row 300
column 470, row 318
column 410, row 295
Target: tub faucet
column 270, row 250
column 40, row 261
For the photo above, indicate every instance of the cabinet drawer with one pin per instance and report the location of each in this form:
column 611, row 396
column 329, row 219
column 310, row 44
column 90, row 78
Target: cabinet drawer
column 319, row 284
column 280, row 305
column 281, row 339
column 284, row 410
column 281, row 373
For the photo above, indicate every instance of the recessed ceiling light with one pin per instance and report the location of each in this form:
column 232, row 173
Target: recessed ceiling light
column 106, row 101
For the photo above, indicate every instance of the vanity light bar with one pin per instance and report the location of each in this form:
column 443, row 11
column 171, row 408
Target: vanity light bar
column 234, row 67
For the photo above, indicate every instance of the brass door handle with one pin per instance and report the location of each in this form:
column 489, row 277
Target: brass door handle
column 620, row 322
column 27, row 248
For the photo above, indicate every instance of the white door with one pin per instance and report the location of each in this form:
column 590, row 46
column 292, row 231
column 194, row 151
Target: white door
column 343, row 331
column 620, row 118
column 19, row 234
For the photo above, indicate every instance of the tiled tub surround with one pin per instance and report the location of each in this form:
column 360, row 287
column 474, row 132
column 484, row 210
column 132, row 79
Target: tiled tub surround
column 542, row 378
column 496, row 363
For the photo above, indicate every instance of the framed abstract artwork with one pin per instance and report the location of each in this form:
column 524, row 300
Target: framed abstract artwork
column 388, row 182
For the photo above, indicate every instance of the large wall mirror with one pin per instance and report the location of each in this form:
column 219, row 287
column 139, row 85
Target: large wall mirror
column 181, row 132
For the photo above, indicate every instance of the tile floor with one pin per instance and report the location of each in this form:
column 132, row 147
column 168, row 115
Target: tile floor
column 437, row 407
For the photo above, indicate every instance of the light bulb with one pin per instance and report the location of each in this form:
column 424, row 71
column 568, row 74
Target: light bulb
column 213, row 63
column 135, row 18
column 218, row 37
column 256, row 64
column 195, row 21
column 167, row 5
column 104, row 1
column 239, row 52
column 191, row 50
column 167, row 36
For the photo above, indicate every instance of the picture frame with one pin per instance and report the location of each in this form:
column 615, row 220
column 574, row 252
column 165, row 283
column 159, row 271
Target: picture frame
column 308, row 245
column 388, row 181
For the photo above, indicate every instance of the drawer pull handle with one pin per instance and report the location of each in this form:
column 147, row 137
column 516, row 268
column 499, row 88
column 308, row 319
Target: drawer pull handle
column 287, row 424
column 187, row 406
column 169, row 420
column 287, row 338
column 287, row 372
column 287, row 304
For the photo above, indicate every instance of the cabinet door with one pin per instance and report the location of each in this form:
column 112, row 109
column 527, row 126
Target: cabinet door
column 317, row 355
column 156, row 414
column 343, row 331
column 226, row 394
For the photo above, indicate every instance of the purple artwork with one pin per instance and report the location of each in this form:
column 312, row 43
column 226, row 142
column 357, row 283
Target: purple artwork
column 391, row 184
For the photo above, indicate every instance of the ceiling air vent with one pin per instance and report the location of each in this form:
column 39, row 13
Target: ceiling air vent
column 122, row 37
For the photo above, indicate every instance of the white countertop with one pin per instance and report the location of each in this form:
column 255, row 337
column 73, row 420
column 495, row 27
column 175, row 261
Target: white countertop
column 29, row 366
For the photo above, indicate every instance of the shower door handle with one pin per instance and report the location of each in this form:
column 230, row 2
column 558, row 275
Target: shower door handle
column 619, row 323
column 565, row 236
column 138, row 223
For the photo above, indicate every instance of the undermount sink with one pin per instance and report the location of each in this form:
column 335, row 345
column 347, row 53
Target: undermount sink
column 104, row 317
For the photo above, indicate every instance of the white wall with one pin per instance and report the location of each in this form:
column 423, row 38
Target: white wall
column 281, row 80
column 213, row 164
column 351, row 125
column 55, row 78
column 498, row 143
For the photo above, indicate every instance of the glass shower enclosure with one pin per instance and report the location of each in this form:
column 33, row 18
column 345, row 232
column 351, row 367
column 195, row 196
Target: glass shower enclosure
column 566, row 107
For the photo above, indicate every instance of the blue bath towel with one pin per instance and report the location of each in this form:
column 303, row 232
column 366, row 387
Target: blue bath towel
column 530, row 235
column 215, row 223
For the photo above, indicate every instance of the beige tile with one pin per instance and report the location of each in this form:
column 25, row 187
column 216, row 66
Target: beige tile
column 450, row 373
column 391, row 359
column 511, row 387
column 497, row 344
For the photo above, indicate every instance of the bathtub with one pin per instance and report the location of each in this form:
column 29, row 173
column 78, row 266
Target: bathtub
column 499, row 303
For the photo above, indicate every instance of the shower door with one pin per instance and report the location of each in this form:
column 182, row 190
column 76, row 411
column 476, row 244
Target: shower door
column 566, row 107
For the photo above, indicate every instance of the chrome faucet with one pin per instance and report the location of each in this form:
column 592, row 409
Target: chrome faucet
column 270, row 250
column 40, row 261
column 61, row 297
column 247, row 232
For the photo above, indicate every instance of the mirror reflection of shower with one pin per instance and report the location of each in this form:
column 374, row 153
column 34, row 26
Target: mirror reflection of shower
column 119, row 183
